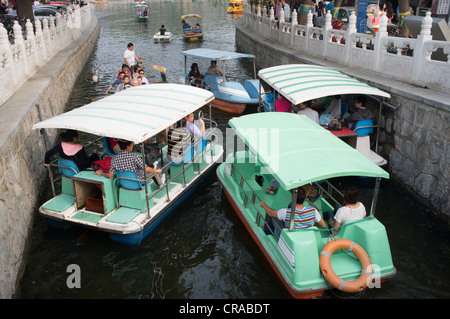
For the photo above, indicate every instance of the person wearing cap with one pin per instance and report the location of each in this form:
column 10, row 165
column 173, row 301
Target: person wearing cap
column 126, row 160
column 214, row 69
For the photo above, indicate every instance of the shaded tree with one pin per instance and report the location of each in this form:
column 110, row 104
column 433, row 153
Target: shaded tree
column 303, row 9
column 403, row 8
column 24, row 9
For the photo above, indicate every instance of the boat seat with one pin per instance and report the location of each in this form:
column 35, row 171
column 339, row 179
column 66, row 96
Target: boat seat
column 124, row 180
column 69, row 169
column 269, row 103
column 107, row 146
column 132, row 191
column 363, row 129
column 176, row 168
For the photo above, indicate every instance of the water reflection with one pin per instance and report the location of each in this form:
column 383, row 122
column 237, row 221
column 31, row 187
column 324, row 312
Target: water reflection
column 203, row 250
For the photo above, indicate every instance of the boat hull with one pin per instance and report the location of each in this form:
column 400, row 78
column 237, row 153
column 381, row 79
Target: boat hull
column 193, row 37
column 230, row 107
column 294, row 293
column 133, row 232
column 294, row 255
column 136, row 238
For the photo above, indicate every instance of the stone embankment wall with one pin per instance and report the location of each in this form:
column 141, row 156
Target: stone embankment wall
column 22, row 174
column 414, row 132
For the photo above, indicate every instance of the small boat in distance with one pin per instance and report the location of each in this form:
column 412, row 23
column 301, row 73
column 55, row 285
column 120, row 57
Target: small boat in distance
column 123, row 206
column 235, row 6
column 141, row 13
column 298, row 153
column 162, row 35
column 230, row 95
column 192, row 32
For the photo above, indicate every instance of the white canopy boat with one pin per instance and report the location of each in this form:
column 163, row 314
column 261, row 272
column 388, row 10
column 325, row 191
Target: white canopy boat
column 136, row 114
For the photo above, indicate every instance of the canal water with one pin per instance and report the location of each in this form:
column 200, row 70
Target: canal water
column 202, row 250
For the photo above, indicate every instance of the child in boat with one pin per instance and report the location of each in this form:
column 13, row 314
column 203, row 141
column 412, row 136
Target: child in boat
column 69, row 149
column 162, row 30
column 305, row 216
column 352, row 210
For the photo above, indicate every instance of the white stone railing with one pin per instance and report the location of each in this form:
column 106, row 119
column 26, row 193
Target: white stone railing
column 21, row 60
column 405, row 59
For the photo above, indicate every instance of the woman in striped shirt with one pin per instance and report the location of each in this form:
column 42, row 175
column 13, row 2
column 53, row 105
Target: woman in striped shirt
column 305, row 216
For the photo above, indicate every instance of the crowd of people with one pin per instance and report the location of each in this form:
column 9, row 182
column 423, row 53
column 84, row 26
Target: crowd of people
column 320, row 8
column 131, row 74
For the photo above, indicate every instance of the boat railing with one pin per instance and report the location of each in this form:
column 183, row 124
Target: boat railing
column 329, row 191
column 252, row 199
column 185, row 166
column 56, row 179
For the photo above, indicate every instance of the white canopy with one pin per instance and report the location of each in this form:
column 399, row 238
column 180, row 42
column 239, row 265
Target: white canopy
column 303, row 82
column 134, row 114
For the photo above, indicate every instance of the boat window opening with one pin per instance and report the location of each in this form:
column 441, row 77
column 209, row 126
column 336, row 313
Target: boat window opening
column 88, row 195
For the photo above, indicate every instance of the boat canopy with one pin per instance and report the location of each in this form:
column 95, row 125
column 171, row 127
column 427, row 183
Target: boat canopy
column 215, row 55
column 298, row 151
column 134, row 114
column 303, row 82
column 192, row 15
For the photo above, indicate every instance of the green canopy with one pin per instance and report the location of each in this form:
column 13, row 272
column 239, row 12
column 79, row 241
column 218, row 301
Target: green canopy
column 297, row 151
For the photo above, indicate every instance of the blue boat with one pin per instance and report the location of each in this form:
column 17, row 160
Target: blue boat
column 127, row 208
column 230, row 96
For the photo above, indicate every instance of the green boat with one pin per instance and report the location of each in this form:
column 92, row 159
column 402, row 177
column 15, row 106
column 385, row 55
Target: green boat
column 298, row 152
column 141, row 13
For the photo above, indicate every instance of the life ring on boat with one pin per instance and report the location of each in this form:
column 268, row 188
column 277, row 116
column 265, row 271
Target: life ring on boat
column 325, row 265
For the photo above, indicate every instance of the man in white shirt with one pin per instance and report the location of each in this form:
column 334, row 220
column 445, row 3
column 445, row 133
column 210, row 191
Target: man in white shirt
column 59, row 16
column 130, row 57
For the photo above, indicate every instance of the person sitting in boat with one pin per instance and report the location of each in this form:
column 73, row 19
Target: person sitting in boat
column 162, row 30
column 335, row 107
column 145, row 12
column 179, row 141
column 362, row 113
column 195, row 77
column 352, row 210
column 125, row 69
column 125, row 85
column 305, row 216
column 195, row 131
column 69, row 149
column 304, row 108
column 116, row 82
column 198, row 28
column 143, row 78
column 186, row 27
column 126, row 160
column 214, row 69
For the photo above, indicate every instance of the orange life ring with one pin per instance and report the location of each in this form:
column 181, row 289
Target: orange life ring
column 347, row 286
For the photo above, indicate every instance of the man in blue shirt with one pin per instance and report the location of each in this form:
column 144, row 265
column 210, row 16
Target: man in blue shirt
column 196, row 132
column 116, row 82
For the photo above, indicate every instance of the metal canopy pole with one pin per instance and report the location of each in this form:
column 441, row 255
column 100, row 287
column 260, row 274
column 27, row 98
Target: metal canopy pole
column 145, row 178
column 375, row 196
column 293, row 207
